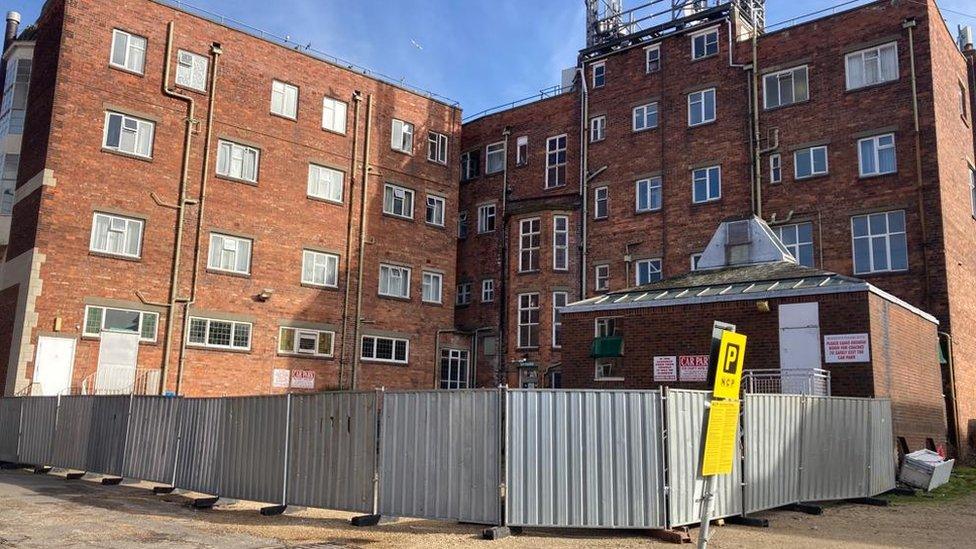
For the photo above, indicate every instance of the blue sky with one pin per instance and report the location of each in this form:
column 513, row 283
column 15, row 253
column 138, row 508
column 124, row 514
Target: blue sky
column 480, row 53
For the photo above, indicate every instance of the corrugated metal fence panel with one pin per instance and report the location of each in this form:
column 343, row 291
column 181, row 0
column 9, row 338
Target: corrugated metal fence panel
column 10, row 429
column 106, row 439
column 882, row 448
column 772, row 433
column 685, row 434
column 38, row 419
column 150, row 447
column 252, row 455
column 584, row 459
column 71, row 432
column 439, row 455
column 199, row 447
column 332, row 451
column 836, row 440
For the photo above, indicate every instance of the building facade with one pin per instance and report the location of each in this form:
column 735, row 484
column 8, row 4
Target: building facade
column 851, row 135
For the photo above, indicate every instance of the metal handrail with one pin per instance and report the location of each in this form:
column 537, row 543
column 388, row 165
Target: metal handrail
column 776, row 381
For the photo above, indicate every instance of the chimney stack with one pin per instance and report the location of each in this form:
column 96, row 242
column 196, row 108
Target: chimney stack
column 13, row 22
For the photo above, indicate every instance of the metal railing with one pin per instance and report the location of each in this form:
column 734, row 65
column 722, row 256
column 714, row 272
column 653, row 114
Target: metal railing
column 790, row 382
column 119, row 381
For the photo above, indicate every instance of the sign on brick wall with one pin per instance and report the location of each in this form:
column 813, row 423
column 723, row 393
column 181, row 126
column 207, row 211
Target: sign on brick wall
column 279, row 378
column 693, row 367
column 665, row 368
column 303, row 379
column 847, row 348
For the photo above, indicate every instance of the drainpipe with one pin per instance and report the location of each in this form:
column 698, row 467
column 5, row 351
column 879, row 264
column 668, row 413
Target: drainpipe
column 584, row 177
column 909, row 25
column 362, row 244
column 502, row 367
column 215, row 52
column 958, row 440
column 754, row 107
column 357, row 98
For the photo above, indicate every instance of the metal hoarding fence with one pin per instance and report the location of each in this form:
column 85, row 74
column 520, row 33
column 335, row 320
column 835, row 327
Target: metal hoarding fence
column 254, row 440
column 685, row 420
column 772, row 433
column 439, row 455
column 150, row 446
column 199, row 446
column 835, row 449
column 883, row 463
column 106, row 438
column 37, row 424
column 10, row 409
column 71, row 432
column 590, row 459
column 332, row 449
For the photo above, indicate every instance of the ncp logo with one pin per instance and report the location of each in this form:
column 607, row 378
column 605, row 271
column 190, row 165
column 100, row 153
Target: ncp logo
column 732, row 360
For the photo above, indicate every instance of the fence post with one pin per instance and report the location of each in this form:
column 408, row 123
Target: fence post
column 803, row 425
column 284, row 479
column 380, row 410
column 502, row 454
column 178, row 424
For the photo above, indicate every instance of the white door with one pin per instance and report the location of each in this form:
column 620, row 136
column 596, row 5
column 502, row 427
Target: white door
column 118, row 354
column 53, row 364
column 799, row 346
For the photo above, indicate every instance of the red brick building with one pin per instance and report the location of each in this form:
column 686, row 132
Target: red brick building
column 231, row 205
column 850, row 134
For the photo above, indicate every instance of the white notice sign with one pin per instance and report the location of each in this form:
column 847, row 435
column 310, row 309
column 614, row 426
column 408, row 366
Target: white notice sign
column 693, row 367
column 303, row 379
column 280, row 378
column 847, row 348
column 665, row 368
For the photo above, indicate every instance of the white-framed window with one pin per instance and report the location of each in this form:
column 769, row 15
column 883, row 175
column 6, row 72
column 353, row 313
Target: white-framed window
column 647, row 271
column 8, row 182
column 606, row 368
column 463, row 296
column 284, row 99
column 522, row 150
column 652, row 58
column 701, row 107
column 495, row 158
column 325, row 183
column 530, row 235
column 528, row 320
column 879, row 242
column 394, row 350
column 695, row 258
column 556, row 161
column 601, row 202
column 470, row 165
column 454, row 369
column 560, row 243
column 972, row 189
column 872, row 66
column 601, row 278
column 320, row 268
column 334, row 115
column 704, row 43
column 398, row 201
column 599, row 74
column 648, row 195
column 126, row 320
column 401, row 137
column 486, row 218
column 645, row 117
column 116, row 235
column 487, row 290
column 191, row 70
column 128, row 134
column 437, row 147
column 237, row 161
column 798, row 239
column 219, row 334
column 605, row 327
column 305, row 342
column 706, row 184
column 810, row 162
column 775, row 168
column 559, row 299
column 598, row 128
column 435, row 210
column 13, row 106
column 230, row 254
column 128, row 51
column 394, row 281
column 786, row 87
column 462, row 224
column 876, row 155
column 432, row 287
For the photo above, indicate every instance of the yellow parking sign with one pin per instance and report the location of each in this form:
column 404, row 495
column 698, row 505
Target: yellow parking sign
column 728, row 373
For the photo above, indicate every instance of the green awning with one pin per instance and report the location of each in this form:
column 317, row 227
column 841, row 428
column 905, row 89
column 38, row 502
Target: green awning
column 942, row 354
column 607, row 347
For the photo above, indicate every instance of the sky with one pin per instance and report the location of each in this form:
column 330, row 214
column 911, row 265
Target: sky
column 480, row 53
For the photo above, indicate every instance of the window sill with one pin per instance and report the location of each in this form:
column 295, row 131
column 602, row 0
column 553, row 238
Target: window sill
column 707, row 202
column 325, row 200
column 189, row 89
column 394, row 298
column 126, row 70
column 536, row 348
column 884, row 273
column 197, row 347
column 704, row 57
column 400, row 217
column 432, row 303
column 642, row 130
column 529, row 272
column 871, row 86
column 314, row 286
column 877, row 175
column 88, row 337
column 601, row 219
column 401, row 151
column 608, row 379
column 228, row 273
column 595, row 141
column 384, row 362
column 283, row 116
column 645, row 212
column 440, row 227
column 493, row 174
column 127, row 155
column 108, row 255
column 555, row 187
column 305, row 355
column 702, row 124
column 786, row 106
column 437, row 162
column 809, row 177
column 461, row 305
column 483, row 233
column 336, row 132
column 233, row 179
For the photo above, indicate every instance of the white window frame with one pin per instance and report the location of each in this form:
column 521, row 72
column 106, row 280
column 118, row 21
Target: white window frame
column 530, row 244
column 876, row 158
column 470, row 164
column 437, row 147
column 225, row 147
column 601, row 277
column 597, row 199
column 439, row 205
column 233, row 332
column 331, row 179
column 654, row 266
column 870, row 237
column 641, row 117
column 602, row 66
column 328, row 262
column 190, row 67
column 390, row 208
column 432, row 283
column 486, row 212
column 488, row 290
column 708, row 196
column 129, row 46
column 557, row 323
column 778, row 79
column 797, row 244
column 553, row 163
column 223, row 240
column 522, row 150
column 85, row 332
column 300, row 333
column 463, row 296
column 775, row 168
column 287, row 96
column 495, row 151
column 334, row 113
column 141, row 125
column 656, row 48
column 650, row 184
column 404, row 274
column 598, row 128
column 393, row 342
column 401, row 136
column 528, row 303
column 605, row 327
column 560, row 243
column 811, row 151
column 862, row 57
column 124, row 232
column 700, row 108
column 706, row 42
